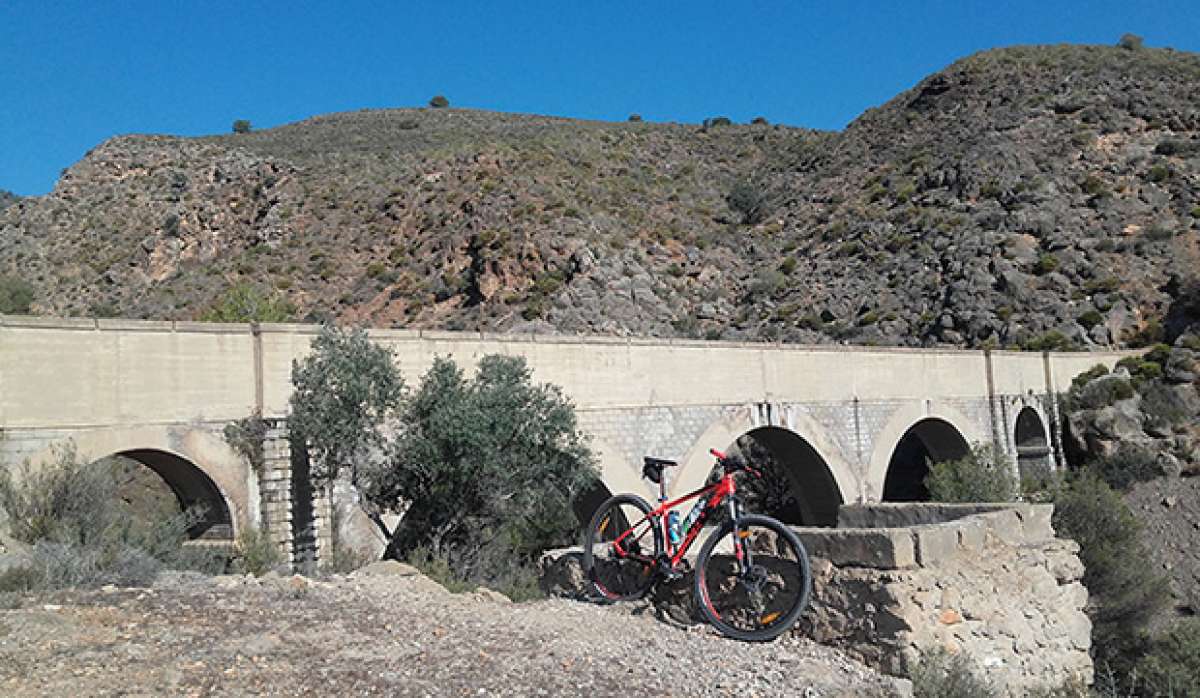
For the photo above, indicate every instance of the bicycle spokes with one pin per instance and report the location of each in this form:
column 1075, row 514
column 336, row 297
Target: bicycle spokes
column 753, row 579
column 623, row 551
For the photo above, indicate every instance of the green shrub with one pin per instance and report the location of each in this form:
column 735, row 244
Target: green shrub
column 1140, row 369
column 1101, row 393
column 1163, row 406
column 983, row 475
column 635, row 118
column 714, row 121
column 345, row 559
column 944, row 675
column 439, row 102
column 750, row 200
column 83, row 534
column 1094, row 186
column 1130, row 42
column 16, row 296
column 1045, row 264
column 1158, row 173
column 1127, row 465
column 1171, row 664
column 1052, row 340
column 1090, row 319
column 1125, row 592
column 437, row 567
column 241, row 126
column 767, row 283
column 346, row 389
column 246, row 436
column 243, row 302
column 1089, row 375
column 256, row 553
column 489, row 467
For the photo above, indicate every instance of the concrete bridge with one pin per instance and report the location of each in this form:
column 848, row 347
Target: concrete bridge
column 850, row 424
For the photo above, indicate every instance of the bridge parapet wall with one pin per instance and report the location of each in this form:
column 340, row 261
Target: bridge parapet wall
column 897, row 581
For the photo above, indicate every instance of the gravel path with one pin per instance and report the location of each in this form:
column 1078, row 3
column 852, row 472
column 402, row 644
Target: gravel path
column 394, row 635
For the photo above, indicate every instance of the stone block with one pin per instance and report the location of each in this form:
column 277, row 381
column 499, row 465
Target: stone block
column 972, row 533
column 879, row 548
column 1004, row 526
column 935, row 543
column 1036, row 521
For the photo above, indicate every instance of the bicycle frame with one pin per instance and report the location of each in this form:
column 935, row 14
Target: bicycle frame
column 717, row 492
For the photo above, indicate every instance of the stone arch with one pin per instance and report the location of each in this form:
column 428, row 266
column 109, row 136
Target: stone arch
column 197, row 465
column 193, row 489
column 810, row 481
column 1031, row 441
column 797, row 441
column 943, row 430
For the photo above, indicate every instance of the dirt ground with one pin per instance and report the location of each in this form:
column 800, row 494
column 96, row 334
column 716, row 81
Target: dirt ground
column 389, row 633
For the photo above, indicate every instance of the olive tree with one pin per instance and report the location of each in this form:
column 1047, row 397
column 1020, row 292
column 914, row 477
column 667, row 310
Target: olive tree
column 485, row 467
column 346, row 390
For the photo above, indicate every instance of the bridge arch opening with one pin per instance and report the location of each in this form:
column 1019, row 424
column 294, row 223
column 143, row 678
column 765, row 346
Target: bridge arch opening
column 180, row 485
column 928, row 441
column 1033, row 445
column 797, row 487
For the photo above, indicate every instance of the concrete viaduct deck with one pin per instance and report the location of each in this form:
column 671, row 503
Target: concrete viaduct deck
column 850, row 424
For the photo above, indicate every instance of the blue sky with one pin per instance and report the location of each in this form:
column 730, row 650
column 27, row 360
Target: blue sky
column 76, row 73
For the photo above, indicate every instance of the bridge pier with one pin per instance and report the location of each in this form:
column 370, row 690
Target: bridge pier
column 296, row 516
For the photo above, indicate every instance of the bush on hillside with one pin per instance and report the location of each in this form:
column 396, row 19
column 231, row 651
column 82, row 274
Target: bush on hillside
column 241, row 126
column 750, row 200
column 16, row 296
column 1171, row 664
column 1131, row 42
column 1096, row 394
column 82, row 534
column 1125, row 592
column 1127, row 465
column 983, row 475
column 243, row 302
column 439, row 102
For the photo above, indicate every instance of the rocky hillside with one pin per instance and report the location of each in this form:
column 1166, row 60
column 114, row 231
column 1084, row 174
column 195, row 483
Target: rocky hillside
column 1030, row 197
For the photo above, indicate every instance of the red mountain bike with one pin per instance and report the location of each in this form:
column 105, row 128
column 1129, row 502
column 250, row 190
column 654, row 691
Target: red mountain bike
column 752, row 579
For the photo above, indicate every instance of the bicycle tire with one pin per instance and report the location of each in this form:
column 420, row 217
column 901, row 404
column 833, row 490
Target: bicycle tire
column 726, row 596
column 610, row 578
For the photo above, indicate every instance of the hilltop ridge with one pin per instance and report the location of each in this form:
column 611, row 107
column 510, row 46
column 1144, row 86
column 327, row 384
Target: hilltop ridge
column 1036, row 197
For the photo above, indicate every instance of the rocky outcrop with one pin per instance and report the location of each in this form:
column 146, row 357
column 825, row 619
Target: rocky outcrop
column 1146, row 412
column 896, row 581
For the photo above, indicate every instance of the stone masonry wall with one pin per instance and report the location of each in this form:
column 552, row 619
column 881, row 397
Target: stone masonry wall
column 896, row 581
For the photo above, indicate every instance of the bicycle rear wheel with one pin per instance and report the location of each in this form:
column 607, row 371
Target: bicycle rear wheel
column 753, row 578
column 620, row 547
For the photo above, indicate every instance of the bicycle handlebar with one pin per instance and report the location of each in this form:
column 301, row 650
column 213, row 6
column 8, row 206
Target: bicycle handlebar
column 732, row 465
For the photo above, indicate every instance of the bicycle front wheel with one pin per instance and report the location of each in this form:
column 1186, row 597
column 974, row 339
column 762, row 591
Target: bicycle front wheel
column 753, row 578
column 620, row 549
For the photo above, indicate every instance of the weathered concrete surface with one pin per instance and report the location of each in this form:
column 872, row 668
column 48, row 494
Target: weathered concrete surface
column 989, row 581
column 117, row 385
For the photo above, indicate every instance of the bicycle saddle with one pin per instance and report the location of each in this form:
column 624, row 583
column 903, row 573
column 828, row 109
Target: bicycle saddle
column 652, row 468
